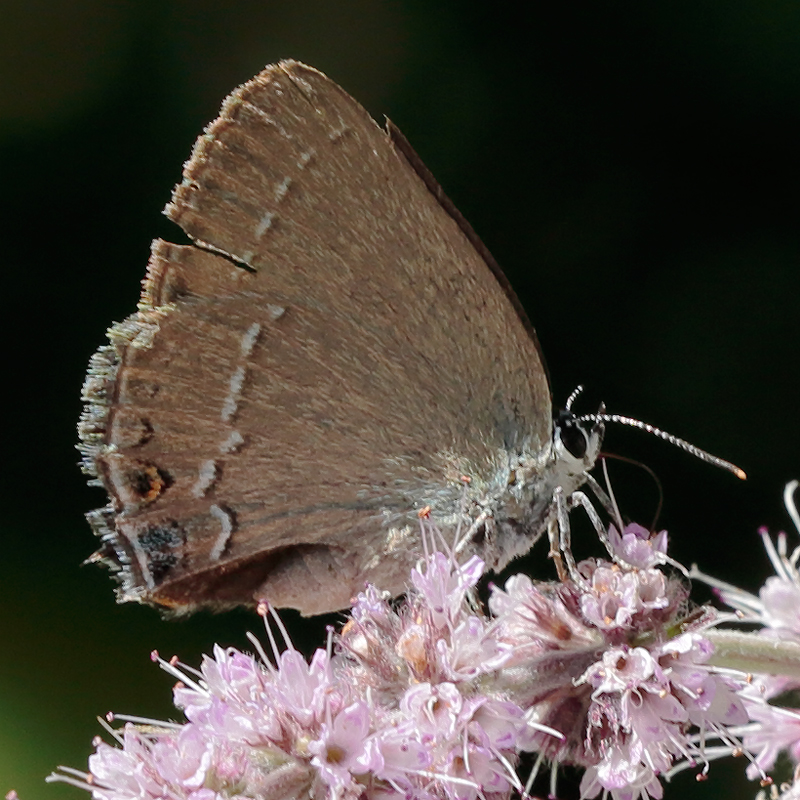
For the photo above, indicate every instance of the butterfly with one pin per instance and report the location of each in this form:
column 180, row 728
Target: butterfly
column 333, row 352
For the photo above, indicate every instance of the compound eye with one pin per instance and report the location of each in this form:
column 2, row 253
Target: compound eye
column 572, row 435
column 574, row 439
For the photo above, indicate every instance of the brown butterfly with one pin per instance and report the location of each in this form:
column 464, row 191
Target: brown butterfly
column 335, row 351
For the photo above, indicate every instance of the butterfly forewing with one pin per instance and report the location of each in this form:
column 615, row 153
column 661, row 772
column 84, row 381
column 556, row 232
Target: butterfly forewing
column 331, row 355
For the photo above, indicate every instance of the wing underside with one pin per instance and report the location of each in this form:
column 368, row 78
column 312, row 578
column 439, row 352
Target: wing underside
column 331, row 354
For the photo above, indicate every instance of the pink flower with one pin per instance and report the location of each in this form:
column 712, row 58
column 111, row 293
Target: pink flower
column 340, row 752
column 773, row 729
column 436, row 699
column 637, row 547
column 443, row 585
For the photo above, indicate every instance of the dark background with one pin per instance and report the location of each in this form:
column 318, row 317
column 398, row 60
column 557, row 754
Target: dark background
column 633, row 166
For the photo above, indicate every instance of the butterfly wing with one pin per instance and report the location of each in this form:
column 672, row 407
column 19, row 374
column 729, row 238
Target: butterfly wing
column 332, row 353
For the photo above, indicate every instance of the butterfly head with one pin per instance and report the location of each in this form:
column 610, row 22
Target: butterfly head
column 576, row 444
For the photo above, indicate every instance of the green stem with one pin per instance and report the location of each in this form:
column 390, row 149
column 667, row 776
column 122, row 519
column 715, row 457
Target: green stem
column 749, row 652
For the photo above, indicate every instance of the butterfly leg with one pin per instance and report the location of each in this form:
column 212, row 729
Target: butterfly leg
column 479, row 527
column 554, row 552
column 563, row 507
column 579, row 498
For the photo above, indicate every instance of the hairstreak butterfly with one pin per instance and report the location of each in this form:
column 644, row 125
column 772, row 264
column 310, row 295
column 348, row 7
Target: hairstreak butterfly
column 335, row 350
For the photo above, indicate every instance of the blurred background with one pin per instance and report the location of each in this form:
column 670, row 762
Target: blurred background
column 633, row 167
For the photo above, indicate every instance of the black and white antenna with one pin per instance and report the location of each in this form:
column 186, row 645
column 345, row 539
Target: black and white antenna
column 601, row 417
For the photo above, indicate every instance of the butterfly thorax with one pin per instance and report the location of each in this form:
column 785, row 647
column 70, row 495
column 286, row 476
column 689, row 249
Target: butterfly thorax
column 519, row 514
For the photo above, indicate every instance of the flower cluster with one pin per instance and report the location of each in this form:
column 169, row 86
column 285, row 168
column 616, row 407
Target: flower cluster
column 614, row 662
column 775, row 724
column 437, row 697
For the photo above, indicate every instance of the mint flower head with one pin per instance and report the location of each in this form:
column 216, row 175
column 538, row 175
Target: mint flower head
column 438, row 696
column 773, row 653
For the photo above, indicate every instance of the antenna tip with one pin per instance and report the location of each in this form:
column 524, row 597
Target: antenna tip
column 740, row 473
